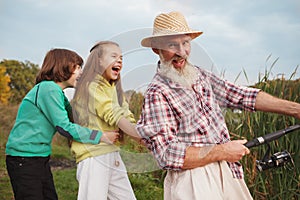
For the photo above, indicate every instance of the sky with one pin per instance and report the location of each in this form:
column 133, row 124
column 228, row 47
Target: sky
column 239, row 36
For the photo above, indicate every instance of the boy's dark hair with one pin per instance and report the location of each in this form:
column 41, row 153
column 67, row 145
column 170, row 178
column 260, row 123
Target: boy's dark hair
column 58, row 65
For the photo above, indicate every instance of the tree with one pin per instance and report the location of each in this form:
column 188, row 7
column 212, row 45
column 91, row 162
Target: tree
column 4, row 86
column 22, row 78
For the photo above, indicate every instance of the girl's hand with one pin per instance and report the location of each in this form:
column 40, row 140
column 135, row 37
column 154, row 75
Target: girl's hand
column 110, row 137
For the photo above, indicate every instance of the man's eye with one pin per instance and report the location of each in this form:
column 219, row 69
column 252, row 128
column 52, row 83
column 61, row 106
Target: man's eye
column 172, row 45
column 186, row 43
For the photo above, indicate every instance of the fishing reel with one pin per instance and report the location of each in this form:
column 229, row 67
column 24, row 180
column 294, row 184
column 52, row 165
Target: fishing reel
column 279, row 159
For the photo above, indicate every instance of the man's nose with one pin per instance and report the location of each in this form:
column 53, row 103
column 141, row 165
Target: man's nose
column 181, row 51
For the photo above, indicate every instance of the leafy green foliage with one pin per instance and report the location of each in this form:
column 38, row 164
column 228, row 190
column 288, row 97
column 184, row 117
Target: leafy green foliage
column 22, row 78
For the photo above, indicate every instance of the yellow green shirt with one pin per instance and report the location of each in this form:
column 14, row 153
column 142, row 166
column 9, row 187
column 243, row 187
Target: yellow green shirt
column 103, row 113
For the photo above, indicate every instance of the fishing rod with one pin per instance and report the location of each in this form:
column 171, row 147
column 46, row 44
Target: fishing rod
column 278, row 159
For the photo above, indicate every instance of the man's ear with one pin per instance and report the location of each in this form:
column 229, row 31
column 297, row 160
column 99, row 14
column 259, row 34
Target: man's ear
column 155, row 51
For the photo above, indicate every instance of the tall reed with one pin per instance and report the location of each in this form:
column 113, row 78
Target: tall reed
column 279, row 183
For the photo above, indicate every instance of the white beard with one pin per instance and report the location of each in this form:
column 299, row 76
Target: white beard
column 186, row 77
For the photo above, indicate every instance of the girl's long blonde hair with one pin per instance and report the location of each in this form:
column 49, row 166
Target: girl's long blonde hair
column 92, row 68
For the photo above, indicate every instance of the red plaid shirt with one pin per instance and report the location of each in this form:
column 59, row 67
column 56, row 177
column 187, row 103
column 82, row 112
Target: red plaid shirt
column 175, row 117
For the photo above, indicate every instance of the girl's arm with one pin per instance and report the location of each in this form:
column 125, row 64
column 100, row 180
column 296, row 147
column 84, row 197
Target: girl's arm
column 126, row 126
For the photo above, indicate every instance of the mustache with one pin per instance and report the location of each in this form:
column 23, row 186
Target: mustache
column 178, row 58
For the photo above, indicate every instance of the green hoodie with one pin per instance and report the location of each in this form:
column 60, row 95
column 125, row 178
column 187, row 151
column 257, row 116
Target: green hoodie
column 43, row 112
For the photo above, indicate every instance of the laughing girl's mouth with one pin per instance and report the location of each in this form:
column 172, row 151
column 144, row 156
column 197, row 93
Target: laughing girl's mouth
column 116, row 69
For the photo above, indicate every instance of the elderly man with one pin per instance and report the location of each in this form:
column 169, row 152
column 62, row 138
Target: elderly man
column 182, row 122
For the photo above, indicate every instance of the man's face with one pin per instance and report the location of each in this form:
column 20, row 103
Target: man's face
column 175, row 49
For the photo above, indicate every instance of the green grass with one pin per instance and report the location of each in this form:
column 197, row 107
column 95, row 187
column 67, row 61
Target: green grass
column 7, row 117
column 65, row 183
column 5, row 188
column 145, row 186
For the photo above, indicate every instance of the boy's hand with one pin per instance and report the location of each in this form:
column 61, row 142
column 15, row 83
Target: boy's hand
column 110, row 137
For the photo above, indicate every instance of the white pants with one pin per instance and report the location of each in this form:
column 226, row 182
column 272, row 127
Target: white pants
column 104, row 177
column 213, row 181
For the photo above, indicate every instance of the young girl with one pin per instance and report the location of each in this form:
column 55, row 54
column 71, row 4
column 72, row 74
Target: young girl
column 44, row 111
column 99, row 103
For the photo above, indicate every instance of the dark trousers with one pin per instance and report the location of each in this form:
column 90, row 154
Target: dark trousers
column 31, row 178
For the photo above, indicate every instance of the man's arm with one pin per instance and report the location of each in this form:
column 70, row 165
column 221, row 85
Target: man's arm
column 235, row 150
column 268, row 103
column 232, row 151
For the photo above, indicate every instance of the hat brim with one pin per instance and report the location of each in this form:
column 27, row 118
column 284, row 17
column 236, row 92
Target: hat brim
column 147, row 42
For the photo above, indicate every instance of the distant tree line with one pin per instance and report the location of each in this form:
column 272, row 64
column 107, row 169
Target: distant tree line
column 16, row 79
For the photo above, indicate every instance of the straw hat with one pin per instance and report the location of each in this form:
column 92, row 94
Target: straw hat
column 167, row 24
